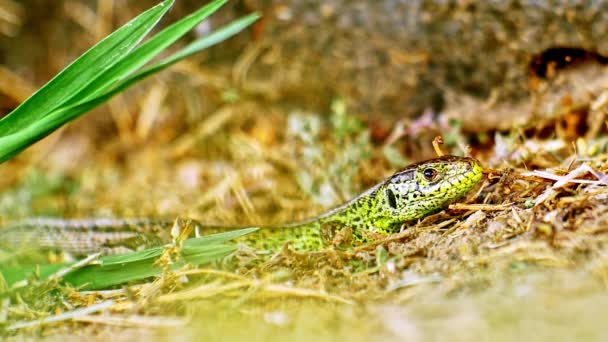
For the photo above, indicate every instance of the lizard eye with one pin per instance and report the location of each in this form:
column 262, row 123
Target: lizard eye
column 429, row 174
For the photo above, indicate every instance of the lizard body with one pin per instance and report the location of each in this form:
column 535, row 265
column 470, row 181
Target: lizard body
column 409, row 194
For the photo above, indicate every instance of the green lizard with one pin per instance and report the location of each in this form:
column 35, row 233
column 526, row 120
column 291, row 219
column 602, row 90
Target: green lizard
column 409, row 194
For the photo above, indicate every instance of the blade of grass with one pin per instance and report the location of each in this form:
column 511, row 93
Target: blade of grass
column 95, row 277
column 219, row 238
column 193, row 243
column 144, row 53
column 115, row 272
column 16, row 142
column 83, row 70
column 12, row 144
column 117, row 269
column 198, row 45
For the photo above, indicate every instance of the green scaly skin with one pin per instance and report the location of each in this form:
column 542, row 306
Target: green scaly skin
column 410, row 194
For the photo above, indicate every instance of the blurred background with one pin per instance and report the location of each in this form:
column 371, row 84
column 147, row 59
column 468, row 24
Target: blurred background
column 405, row 70
column 387, row 60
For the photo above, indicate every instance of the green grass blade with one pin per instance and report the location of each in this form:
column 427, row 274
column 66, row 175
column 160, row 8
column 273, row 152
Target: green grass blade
column 220, row 237
column 95, row 277
column 13, row 275
column 83, row 70
column 12, row 144
column 144, row 53
column 200, row 44
column 118, row 269
column 189, row 244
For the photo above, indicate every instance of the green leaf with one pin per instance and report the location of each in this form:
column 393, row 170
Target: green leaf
column 94, row 277
column 118, row 269
column 200, row 44
column 83, row 70
column 12, row 144
column 220, row 237
column 144, row 53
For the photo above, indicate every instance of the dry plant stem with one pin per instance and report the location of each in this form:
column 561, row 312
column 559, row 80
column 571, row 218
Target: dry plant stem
column 413, row 282
column 471, row 221
column 482, row 207
column 597, row 115
column 211, row 272
column 105, row 294
column 134, row 321
column 262, row 288
column 86, row 261
column 436, row 142
column 212, row 124
column 282, row 290
column 529, row 176
column 244, row 62
column 13, row 86
column 570, row 177
column 407, row 233
column 493, row 172
column 62, row 317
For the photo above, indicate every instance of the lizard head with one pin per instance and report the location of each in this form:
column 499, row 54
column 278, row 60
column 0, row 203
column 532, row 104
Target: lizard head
column 429, row 186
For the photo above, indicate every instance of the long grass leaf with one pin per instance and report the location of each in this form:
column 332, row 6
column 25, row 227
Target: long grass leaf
column 93, row 277
column 144, row 53
column 117, row 269
column 83, row 70
column 219, row 238
column 16, row 142
column 198, row 45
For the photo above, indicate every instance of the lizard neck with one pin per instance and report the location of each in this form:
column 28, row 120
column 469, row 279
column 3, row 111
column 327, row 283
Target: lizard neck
column 361, row 215
column 319, row 231
column 304, row 236
column 365, row 214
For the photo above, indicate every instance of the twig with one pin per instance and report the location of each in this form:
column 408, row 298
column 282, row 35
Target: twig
column 483, row 207
column 562, row 180
column 63, row 317
column 436, row 142
column 84, row 262
column 207, row 291
column 138, row 321
column 204, row 291
column 212, row 272
column 406, row 233
column 299, row 292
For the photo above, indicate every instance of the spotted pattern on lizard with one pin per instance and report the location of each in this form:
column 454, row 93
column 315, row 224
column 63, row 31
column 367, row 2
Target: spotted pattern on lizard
column 410, row 194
